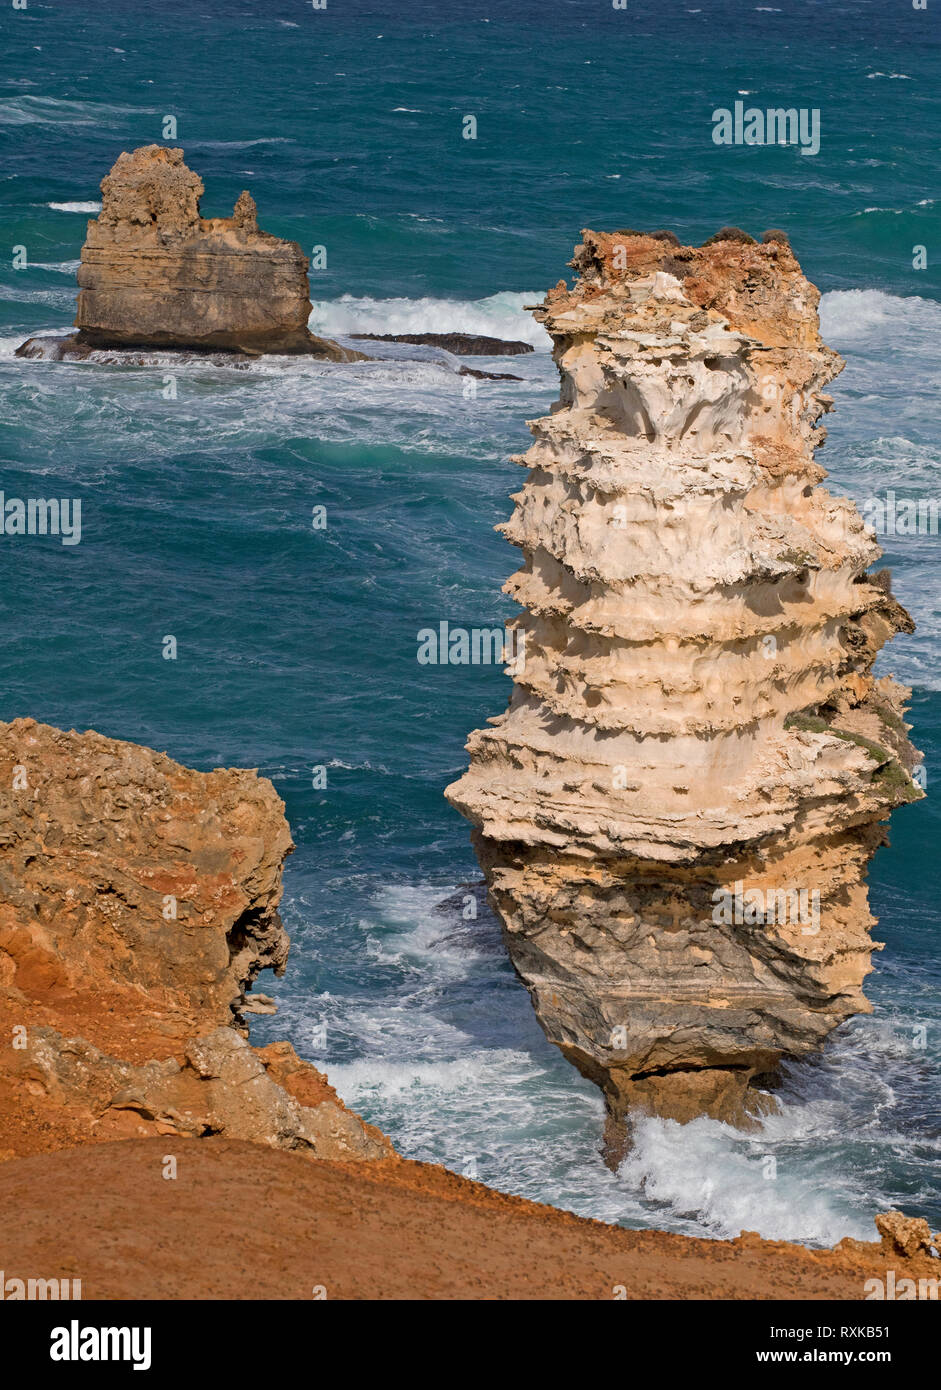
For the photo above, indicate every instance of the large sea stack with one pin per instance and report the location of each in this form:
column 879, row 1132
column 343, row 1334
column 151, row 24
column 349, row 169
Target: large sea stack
column 154, row 273
column 138, row 905
column 676, row 811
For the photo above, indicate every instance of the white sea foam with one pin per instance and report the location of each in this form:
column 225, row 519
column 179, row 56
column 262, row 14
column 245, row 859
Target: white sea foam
column 8, row 346
column 40, row 110
column 449, row 1060
column 849, row 315
column 498, row 316
column 241, row 144
column 19, row 292
column 879, row 438
column 711, row 1174
column 393, row 1080
column 75, row 207
column 418, row 406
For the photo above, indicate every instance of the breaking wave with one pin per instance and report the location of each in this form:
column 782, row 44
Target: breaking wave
column 498, row 316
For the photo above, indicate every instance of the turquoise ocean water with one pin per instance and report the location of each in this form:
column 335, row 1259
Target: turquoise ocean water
column 297, row 647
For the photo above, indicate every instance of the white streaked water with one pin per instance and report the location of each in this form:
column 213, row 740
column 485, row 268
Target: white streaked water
column 446, row 1055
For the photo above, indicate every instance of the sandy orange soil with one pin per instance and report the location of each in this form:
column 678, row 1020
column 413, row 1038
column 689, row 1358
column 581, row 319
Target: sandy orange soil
column 245, row 1222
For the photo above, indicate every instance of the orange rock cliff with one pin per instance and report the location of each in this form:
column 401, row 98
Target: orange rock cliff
column 139, row 904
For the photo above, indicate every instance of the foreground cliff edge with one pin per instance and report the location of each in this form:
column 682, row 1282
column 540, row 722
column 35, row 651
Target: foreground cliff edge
column 138, row 905
column 139, row 902
column 676, row 812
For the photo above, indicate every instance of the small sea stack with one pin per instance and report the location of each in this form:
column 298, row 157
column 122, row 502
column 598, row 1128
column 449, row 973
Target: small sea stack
column 154, row 273
column 676, row 812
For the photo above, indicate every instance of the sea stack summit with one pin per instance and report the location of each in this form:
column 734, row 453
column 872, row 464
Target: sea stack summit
column 676, row 812
column 155, row 274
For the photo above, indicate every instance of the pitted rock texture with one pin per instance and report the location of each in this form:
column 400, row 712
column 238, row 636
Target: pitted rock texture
column 694, row 720
column 222, row 1086
column 155, row 273
column 907, row 1236
column 118, row 864
column 138, row 905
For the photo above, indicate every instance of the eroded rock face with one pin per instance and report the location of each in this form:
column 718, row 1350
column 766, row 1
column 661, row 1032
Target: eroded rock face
column 222, row 1086
column 118, row 864
column 676, row 811
column 138, row 904
column 155, row 273
column 907, row 1236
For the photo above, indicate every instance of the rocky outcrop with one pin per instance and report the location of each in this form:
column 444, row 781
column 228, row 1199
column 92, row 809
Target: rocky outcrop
column 138, row 905
column 221, row 1086
column 676, row 811
column 907, row 1236
column 118, row 864
column 155, row 273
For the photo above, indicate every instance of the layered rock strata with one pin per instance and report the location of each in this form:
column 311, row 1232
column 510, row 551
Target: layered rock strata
column 138, row 905
column 155, row 273
column 676, row 811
